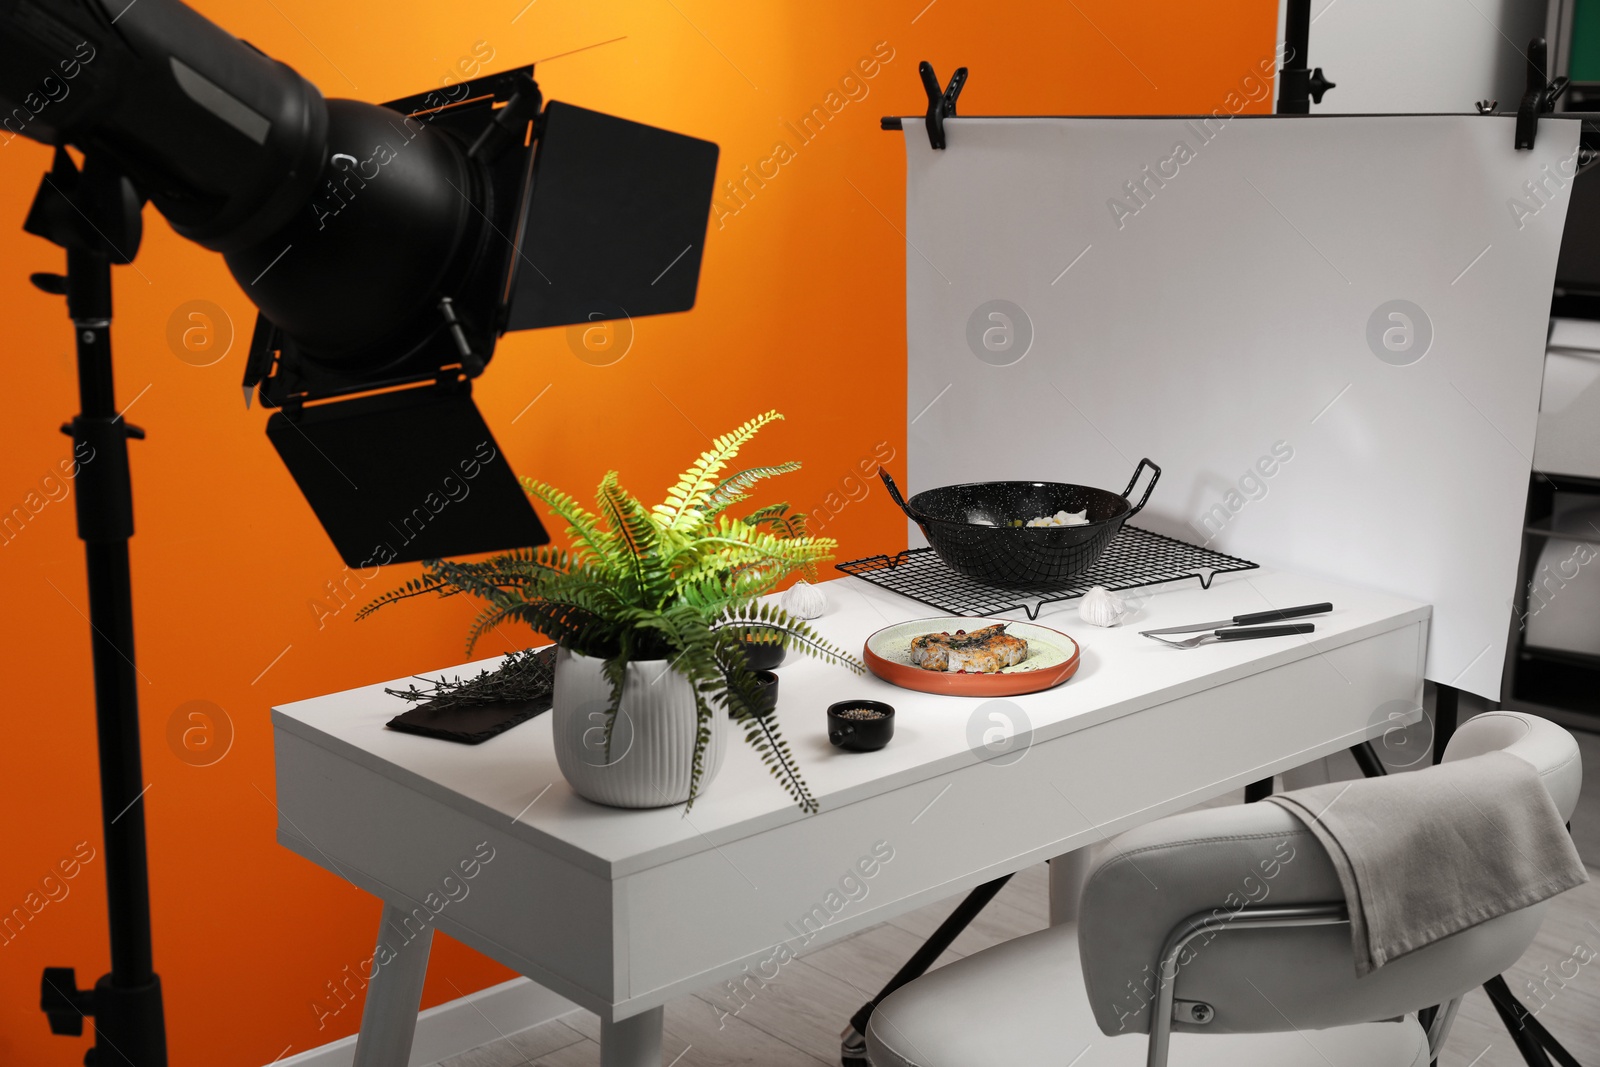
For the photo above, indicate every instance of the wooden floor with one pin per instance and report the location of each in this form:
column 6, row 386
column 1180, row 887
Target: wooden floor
column 796, row 1020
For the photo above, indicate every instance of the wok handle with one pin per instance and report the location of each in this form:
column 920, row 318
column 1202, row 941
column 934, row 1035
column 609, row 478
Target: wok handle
column 1128, row 492
column 894, row 494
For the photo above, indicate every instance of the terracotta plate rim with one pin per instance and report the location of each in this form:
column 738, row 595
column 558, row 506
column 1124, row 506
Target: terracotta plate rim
column 906, row 676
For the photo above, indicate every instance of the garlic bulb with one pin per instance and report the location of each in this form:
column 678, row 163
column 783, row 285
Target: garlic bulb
column 804, row 600
column 1101, row 607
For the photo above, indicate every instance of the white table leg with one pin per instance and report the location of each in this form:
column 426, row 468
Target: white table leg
column 1067, row 875
column 389, row 1019
column 632, row 1042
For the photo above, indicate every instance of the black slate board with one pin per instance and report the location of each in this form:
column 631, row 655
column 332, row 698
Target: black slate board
column 474, row 724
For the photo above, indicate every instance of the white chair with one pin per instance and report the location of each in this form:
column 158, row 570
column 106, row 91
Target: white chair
column 1242, row 906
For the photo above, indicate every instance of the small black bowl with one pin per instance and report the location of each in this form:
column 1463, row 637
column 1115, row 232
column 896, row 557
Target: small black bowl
column 762, row 655
column 767, row 701
column 865, row 734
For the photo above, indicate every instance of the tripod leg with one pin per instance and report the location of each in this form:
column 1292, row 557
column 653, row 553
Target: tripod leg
column 1367, row 760
column 1501, row 994
column 1446, row 710
column 853, row 1047
column 1513, row 1015
column 1556, row 1050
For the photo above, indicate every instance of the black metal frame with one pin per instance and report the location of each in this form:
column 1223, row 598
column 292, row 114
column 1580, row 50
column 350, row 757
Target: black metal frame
column 853, row 1042
column 1135, row 558
column 1536, row 691
column 1536, row 1044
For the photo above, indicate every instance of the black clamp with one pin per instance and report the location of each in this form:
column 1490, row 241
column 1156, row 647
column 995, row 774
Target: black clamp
column 941, row 102
column 1540, row 96
column 105, row 497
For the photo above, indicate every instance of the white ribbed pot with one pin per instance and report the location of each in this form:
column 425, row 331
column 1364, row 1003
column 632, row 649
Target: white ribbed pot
column 652, row 743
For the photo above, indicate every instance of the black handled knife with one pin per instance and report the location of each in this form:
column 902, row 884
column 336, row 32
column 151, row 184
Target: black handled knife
column 1276, row 615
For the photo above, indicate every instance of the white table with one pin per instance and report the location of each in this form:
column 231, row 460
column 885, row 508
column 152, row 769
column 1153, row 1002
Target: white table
column 620, row 911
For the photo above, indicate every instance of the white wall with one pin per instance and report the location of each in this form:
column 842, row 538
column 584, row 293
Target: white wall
column 1422, row 55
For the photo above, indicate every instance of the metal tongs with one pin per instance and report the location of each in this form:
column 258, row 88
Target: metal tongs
column 1235, row 633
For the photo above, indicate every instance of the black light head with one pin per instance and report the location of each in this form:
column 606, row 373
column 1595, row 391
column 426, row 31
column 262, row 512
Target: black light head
column 387, row 247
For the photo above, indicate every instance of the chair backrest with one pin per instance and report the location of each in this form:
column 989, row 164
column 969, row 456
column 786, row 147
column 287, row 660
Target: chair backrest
column 1552, row 751
column 1146, row 882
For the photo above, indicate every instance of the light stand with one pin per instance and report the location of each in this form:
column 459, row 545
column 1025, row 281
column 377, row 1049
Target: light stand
column 94, row 215
column 383, row 247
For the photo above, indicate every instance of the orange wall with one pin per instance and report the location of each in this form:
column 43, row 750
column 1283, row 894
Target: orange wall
column 800, row 308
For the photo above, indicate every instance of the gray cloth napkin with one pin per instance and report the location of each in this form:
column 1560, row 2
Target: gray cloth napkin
column 1426, row 854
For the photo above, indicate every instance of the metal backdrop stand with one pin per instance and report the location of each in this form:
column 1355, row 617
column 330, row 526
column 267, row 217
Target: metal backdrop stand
column 913, row 575
column 94, row 215
column 923, row 579
column 1297, row 86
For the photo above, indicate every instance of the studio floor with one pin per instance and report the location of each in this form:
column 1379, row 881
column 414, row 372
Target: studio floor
column 796, row 1019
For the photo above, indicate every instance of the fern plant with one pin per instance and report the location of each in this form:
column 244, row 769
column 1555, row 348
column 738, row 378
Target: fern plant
column 678, row 581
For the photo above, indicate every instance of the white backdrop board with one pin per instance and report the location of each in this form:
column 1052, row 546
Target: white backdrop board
column 1328, row 331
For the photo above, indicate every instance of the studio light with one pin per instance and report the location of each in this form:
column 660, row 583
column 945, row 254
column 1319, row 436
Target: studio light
column 387, row 248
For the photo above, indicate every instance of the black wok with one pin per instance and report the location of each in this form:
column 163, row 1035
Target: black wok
column 970, row 526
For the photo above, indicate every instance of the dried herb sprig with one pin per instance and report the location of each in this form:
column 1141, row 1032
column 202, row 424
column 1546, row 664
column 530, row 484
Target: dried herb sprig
column 521, row 676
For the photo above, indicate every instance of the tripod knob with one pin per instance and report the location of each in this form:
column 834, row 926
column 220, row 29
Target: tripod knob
column 1316, row 85
column 55, row 284
column 63, row 1002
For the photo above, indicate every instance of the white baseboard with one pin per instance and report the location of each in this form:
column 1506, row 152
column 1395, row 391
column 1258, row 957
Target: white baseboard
column 457, row 1025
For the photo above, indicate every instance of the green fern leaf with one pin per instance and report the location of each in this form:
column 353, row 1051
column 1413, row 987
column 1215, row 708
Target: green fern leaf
column 736, row 487
column 686, row 502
